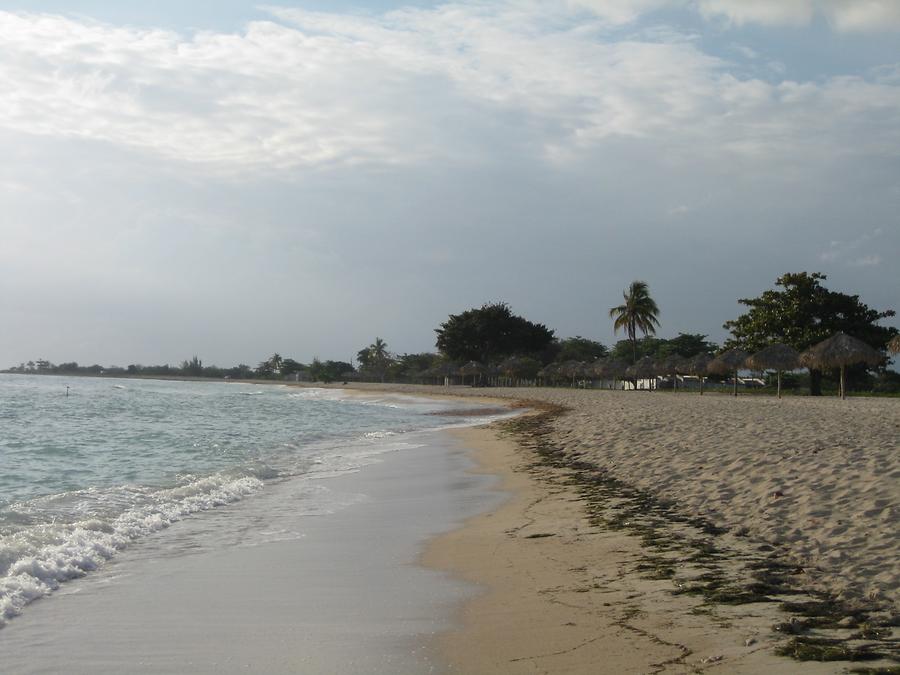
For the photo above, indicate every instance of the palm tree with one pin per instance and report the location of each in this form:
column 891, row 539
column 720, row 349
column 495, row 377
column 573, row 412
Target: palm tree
column 276, row 362
column 637, row 314
column 375, row 358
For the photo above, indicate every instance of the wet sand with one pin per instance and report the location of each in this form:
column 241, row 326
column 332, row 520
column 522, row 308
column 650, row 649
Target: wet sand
column 265, row 587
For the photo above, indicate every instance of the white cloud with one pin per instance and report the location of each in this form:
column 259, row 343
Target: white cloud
column 854, row 252
column 843, row 15
column 321, row 90
column 765, row 12
column 863, row 15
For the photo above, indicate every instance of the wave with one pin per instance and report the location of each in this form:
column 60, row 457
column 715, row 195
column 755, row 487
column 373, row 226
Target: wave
column 34, row 561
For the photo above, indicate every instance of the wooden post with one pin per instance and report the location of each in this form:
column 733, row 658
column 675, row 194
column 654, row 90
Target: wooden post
column 779, row 384
column 735, row 383
column 843, row 393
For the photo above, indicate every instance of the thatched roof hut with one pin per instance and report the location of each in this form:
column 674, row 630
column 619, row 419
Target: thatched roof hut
column 645, row 368
column 894, row 345
column 839, row 351
column 728, row 362
column 778, row 357
column 674, row 365
column 575, row 369
column 699, row 366
column 473, row 368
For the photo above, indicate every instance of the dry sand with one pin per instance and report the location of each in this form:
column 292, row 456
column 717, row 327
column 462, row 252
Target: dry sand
column 815, row 482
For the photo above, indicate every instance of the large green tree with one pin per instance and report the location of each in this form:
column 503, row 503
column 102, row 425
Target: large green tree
column 375, row 359
column 801, row 313
column 638, row 313
column 490, row 334
column 580, row 349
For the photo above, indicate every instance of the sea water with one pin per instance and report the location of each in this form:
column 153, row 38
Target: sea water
column 89, row 467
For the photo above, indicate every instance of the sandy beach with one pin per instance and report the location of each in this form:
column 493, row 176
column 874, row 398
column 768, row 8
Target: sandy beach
column 794, row 500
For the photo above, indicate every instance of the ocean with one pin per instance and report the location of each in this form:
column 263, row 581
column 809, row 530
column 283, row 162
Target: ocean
column 90, row 468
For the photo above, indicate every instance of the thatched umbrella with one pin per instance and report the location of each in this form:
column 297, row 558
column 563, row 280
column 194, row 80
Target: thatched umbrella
column 894, row 345
column 839, row 351
column 646, row 368
column 699, row 366
column 574, row 369
column 728, row 362
column 674, row 365
column 548, row 372
column 615, row 368
column 472, row 368
column 778, row 357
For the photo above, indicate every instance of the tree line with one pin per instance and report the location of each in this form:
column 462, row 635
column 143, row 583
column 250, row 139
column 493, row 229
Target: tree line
column 492, row 341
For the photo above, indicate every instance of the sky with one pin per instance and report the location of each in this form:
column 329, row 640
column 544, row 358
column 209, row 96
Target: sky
column 232, row 179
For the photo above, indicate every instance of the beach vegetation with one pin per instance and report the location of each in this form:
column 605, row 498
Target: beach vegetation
column 638, row 313
column 800, row 313
column 330, row 371
column 492, row 333
column 579, row 349
column 375, row 360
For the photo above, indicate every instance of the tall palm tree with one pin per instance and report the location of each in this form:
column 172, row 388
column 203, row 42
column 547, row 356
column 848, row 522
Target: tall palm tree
column 637, row 314
column 276, row 362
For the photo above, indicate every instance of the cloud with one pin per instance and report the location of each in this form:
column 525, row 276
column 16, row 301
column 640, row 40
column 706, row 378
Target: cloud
column 854, row 252
column 764, row 12
column 842, row 15
column 312, row 90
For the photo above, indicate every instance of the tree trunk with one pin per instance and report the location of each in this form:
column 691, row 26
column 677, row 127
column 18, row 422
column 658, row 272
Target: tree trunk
column 815, row 382
column 779, row 384
column 843, row 392
column 735, row 383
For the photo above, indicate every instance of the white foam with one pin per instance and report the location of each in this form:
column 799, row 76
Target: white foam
column 37, row 560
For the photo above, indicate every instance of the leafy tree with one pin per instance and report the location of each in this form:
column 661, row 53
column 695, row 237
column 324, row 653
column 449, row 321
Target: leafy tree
column 375, row 359
column 491, row 333
column 638, row 313
column 580, row 349
column 275, row 362
column 194, row 367
column 264, row 369
column 804, row 313
column 687, row 345
column 290, row 366
column 329, row 371
column 410, row 366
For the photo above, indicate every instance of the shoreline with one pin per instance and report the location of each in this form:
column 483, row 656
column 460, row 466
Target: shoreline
column 268, row 587
column 734, row 597
column 560, row 595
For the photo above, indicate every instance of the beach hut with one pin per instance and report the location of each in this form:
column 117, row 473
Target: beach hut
column 615, row 368
column 839, row 351
column 699, row 366
column 674, row 365
column 574, row 369
column 778, row 357
column 473, row 368
column 894, row 345
column 645, row 369
column 728, row 362
column 548, row 374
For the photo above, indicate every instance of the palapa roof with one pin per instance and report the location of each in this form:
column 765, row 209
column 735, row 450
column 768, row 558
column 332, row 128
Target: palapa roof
column 472, row 368
column 675, row 363
column 600, row 368
column 700, row 364
column 574, row 368
column 894, row 344
column 728, row 362
column 776, row 356
column 644, row 368
column 840, row 350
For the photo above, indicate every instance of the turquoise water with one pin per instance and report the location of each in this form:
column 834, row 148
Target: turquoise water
column 86, row 472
